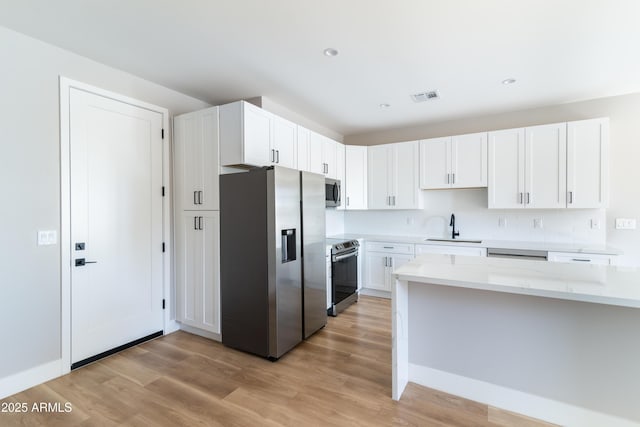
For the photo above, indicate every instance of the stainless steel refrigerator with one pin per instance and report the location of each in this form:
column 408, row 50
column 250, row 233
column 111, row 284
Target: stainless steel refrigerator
column 272, row 265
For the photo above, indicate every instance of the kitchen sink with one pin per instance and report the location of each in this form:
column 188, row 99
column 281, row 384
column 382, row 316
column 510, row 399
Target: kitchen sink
column 453, row 240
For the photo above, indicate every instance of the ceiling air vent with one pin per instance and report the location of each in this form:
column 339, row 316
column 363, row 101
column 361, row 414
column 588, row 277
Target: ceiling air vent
column 425, row 96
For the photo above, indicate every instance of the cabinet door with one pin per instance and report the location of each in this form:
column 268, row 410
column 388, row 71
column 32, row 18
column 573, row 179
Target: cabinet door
column 197, row 270
column 546, row 166
column 506, row 169
column 196, row 160
column 257, row 136
column 330, row 157
column 284, row 143
column 316, row 162
column 435, row 165
column 581, row 258
column 405, row 176
column 340, row 174
column 355, row 183
column 469, row 160
column 378, row 161
column 377, row 271
column 587, row 163
column 303, row 149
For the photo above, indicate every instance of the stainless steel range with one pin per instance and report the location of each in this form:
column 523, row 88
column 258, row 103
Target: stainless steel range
column 344, row 275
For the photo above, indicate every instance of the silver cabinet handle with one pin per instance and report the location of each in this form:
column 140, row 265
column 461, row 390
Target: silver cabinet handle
column 388, row 200
column 199, row 197
column 277, row 156
column 390, row 262
column 448, row 178
column 453, row 178
column 347, row 200
column 528, row 198
column 195, row 222
column 389, row 247
column 570, row 197
column 195, row 197
column 581, row 259
column 273, row 156
column 385, row 262
column 520, row 202
column 394, row 200
column 200, row 227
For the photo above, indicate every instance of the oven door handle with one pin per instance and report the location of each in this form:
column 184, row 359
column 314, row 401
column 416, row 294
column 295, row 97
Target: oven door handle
column 341, row 257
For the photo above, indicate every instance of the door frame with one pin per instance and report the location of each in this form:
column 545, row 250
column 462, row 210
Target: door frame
column 169, row 325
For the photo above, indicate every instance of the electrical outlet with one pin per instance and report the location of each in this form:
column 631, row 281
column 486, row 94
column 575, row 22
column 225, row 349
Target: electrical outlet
column 47, row 237
column 537, row 222
column 595, row 224
column 625, row 224
column 502, row 222
column 410, row 220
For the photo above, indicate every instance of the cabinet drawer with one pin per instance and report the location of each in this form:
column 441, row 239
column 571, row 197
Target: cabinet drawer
column 450, row 250
column 581, row 258
column 391, row 248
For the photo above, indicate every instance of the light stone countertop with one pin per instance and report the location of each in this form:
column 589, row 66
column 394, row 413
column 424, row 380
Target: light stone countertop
column 619, row 286
column 498, row 244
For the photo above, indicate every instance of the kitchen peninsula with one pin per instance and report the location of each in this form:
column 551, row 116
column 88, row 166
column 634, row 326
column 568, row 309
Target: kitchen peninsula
column 554, row 341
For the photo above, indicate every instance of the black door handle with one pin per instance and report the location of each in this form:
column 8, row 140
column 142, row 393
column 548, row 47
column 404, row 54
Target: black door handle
column 81, row 262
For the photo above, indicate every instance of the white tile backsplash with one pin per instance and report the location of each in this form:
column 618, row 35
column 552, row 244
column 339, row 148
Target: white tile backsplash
column 475, row 221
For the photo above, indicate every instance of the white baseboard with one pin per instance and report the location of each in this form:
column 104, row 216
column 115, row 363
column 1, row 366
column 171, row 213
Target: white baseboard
column 201, row 332
column 31, row 377
column 171, row 326
column 530, row 405
column 375, row 293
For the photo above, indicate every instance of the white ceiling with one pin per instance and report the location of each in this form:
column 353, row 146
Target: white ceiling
column 223, row 50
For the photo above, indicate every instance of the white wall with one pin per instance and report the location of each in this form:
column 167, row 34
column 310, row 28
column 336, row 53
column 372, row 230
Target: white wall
column 624, row 112
column 30, row 189
column 475, row 221
column 335, row 221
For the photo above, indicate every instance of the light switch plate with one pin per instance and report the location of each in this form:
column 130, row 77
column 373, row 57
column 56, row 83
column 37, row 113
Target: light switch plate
column 47, row 237
column 537, row 223
column 502, row 222
column 595, row 224
column 625, row 224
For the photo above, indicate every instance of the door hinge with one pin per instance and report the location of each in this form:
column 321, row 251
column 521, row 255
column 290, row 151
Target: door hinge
column 163, row 247
column 163, row 191
column 163, row 303
column 162, row 133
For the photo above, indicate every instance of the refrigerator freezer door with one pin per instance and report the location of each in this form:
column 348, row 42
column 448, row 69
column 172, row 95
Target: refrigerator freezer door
column 314, row 270
column 285, row 270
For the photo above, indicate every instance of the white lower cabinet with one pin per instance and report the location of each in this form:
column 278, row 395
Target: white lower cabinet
column 381, row 262
column 198, row 270
column 582, row 258
column 450, row 250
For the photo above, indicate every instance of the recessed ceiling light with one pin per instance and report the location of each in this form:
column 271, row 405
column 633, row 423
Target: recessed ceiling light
column 384, row 106
column 331, row 51
column 508, row 81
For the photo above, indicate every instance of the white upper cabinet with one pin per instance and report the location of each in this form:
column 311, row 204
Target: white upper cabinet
column 454, row 162
column 588, row 163
column 506, row 169
column 469, row 160
column 435, row 163
column 545, row 166
column 303, row 149
column 392, row 176
column 323, row 155
column 251, row 136
column 528, row 167
column 196, row 160
column 284, row 143
column 355, row 182
column 340, row 173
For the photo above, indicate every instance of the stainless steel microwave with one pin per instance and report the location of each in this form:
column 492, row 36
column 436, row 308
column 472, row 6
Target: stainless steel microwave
column 332, row 192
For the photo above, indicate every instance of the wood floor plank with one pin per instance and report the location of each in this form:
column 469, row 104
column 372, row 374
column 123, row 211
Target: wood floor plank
column 341, row 376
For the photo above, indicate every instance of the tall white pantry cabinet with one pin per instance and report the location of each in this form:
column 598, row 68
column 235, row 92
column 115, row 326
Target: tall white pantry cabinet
column 197, row 214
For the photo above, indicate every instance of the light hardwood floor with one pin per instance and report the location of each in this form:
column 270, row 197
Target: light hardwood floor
column 339, row 377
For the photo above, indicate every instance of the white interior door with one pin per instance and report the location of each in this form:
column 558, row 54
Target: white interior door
column 116, row 212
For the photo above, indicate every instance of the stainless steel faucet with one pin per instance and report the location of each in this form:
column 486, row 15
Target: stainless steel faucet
column 452, row 224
